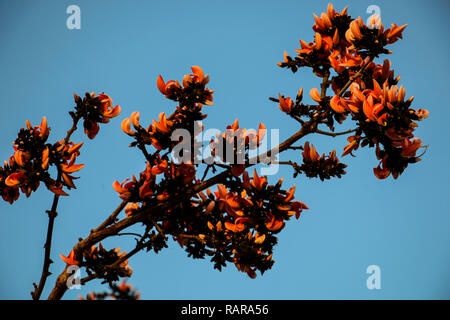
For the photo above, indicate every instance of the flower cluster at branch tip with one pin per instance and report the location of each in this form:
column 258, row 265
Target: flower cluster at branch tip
column 385, row 118
column 192, row 90
column 94, row 109
column 323, row 166
column 345, row 48
column 32, row 158
column 98, row 260
column 191, row 96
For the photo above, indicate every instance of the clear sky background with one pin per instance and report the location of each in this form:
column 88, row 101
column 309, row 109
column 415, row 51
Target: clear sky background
column 400, row 225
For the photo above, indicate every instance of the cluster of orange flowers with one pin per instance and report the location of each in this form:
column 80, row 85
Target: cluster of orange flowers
column 29, row 164
column 384, row 117
column 97, row 258
column 232, row 145
column 239, row 221
column 149, row 189
column 341, row 42
column 385, row 120
column 323, row 166
column 191, row 95
column 191, row 91
column 94, row 109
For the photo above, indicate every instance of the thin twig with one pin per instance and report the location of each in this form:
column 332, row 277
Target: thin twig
column 335, row 134
column 295, row 148
column 111, row 217
column 354, row 77
column 297, row 118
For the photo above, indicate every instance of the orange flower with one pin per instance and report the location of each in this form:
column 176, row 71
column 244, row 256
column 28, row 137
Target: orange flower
column 394, row 33
column 274, row 224
column 380, row 172
column 349, row 60
column 10, row 194
column 91, row 128
column 259, row 238
column 146, row 190
column 354, row 31
column 19, row 158
column 335, row 61
column 309, row 153
column 106, row 109
column 163, row 125
column 135, row 120
column 126, row 127
column 305, row 47
column 124, row 188
column 258, row 182
column 16, row 179
column 314, row 93
column 74, row 148
column 197, row 76
column 71, row 167
column 99, row 109
column 290, row 194
column 235, row 227
column 168, row 88
column 71, row 259
column 297, row 207
column 324, row 23
column 159, row 168
column 285, row 104
column 285, row 59
column 368, row 108
column 43, row 129
column 409, row 147
column 338, row 104
column 354, row 145
column 68, row 179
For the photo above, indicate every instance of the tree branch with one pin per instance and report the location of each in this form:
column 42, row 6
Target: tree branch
column 109, row 228
column 335, row 134
column 36, row 293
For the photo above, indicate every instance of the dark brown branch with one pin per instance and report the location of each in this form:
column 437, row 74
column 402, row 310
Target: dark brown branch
column 335, row 134
column 36, row 293
column 324, row 85
column 295, row 148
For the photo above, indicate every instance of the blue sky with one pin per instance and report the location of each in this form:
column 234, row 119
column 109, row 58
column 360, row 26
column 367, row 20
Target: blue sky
column 400, row 225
